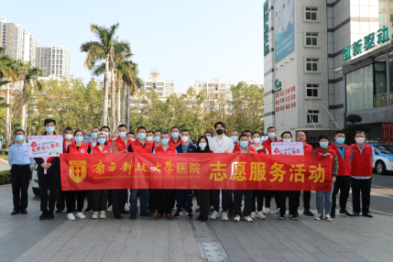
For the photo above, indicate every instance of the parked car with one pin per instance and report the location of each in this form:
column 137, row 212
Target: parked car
column 383, row 158
column 34, row 181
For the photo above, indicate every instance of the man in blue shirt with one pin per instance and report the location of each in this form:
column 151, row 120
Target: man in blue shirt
column 185, row 147
column 20, row 172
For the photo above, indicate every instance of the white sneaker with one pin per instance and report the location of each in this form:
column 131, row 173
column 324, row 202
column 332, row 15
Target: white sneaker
column 260, row 215
column 214, row 215
column 109, row 209
column 248, row 219
column 278, row 210
column 70, row 216
column 318, row 217
column 267, row 211
column 328, row 218
column 102, row 214
column 253, row 214
column 95, row 215
column 237, row 218
column 80, row 215
column 224, row 216
column 127, row 207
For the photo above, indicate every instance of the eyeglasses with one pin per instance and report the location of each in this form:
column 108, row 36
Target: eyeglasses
column 359, row 132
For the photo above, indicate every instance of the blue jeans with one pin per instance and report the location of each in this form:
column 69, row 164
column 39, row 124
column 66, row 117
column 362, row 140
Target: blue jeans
column 143, row 199
column 328, row 201
column 119, row 198
column 179, row 199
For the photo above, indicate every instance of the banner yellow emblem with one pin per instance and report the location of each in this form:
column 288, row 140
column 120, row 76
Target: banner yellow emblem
column 78, row 170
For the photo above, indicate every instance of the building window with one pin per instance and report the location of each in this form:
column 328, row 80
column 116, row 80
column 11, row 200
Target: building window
column 391, row 18
column 311, row 39
column 311, row 13
column 312, row 90
column 312, row 117
column 312, row 64
column 381, row 17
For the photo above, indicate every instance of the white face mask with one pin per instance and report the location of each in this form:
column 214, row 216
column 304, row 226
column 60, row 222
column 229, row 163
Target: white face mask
column 360, row 140
column 185, row 138
column 149, row 138
column 68, row 136
column 256, row 140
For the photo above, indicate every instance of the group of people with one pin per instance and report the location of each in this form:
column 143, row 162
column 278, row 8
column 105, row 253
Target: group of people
column 351, row 168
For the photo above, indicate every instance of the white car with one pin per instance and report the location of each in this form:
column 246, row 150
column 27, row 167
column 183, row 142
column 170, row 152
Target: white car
column 34, row 181
column 383, row 158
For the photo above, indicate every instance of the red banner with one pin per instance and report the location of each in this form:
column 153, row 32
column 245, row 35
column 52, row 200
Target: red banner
column 195, row 171
column 391, row 131
column 385, row 131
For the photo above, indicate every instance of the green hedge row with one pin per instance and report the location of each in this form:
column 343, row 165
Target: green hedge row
column 5, row 177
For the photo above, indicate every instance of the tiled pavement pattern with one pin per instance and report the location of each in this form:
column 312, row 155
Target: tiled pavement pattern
column 25, row 238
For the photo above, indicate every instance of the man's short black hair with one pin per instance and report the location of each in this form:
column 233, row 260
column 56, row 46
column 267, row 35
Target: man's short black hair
column 149, row 132
column 105, row 127
column 286, row 132
column 219, row 123
column 207, row 132
column 157, row 131
column 130, row 133
column 246, row 131
column 256, row 132
column 122, row 125
column 340, row 132
column 271, row 127
column 78, row 131
column 243, row 135
column 164, row 133
column 141, row 127
column 68, row 128
column 233, row 131
column 19, row 130
column 48, row 121
column 186, row 130
column 173, row 127
column 322, row 137
column 95, row 128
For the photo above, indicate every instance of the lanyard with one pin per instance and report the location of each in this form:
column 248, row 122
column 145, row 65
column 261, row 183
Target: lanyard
column 220, row 146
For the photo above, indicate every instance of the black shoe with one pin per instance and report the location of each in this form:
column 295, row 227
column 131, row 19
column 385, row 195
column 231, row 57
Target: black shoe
column 355, row 214
column 282, row 217
column 197, row 210
column 307, row 212
column 345, row 213
column 295, row 216
column 177, row 214
column 132, row 217
column 189, row 215
column 199, row 217
column 147, row 214
column 58, row 211
column 24, row 211
column 368, row 214
column 124, row 212
column 15, row 212
column 204, row 219
column 43, row 216
column 88, row 210
column 333, row 215
column 50, row 216
column 230, row 213
column 119, row 216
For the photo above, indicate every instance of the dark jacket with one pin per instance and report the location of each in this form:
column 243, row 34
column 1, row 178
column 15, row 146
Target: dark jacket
column 191, row 148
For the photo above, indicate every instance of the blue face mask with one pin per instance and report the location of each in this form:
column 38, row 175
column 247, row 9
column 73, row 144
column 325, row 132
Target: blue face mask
column 208, row 138
column 202, row 145
column 340, row 140
column 78, row 139
column 157, row 139
column 19, row 138
column 175, row 135
column 94, row 135
column 50, row 129
column 122, row 134
column 287, row 140
column 141, row 135
column 234, row 138
column 244, row 143
column 101, row 140
column 165, row 141
column 324, row 144
column 272, row 135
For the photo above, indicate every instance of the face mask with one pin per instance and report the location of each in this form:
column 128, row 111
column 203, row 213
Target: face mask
column 244, row 143
column 234, row 138
column 287, row 140
column 202, row 145
column 360, row 140
column 185, row 138
column 101, row 140
column 256, row 140
column 106, row 133
column 20, row 138
column 249, row 139
column 122, row 134
column 324, row 144
column 141, row 135
column 68, row 136
column 175, row 135
column 340, row 140
column 133, row 139
column 220, row 131
column 164, row 141
column 78, row 139
column 149, row 138
column 157, row 139
column 272, row 135
column 208, row 138
column 50, row 129
column 94, row 135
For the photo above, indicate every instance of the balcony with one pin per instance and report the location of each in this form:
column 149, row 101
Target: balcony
column 380, row 100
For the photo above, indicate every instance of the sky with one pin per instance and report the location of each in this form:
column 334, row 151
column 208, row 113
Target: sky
column 187, row 41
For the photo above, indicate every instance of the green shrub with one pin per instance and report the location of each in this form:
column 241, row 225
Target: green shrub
column 5, row 177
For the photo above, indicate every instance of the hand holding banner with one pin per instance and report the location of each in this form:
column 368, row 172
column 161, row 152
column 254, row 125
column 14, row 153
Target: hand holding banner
column 45, row 147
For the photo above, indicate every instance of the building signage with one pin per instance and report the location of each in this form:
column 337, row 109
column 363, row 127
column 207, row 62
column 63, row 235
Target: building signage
column 382, row 35
column 385, row 131
column 283, row 28
column 286, row 99
column 266, row 27
column 277, row 83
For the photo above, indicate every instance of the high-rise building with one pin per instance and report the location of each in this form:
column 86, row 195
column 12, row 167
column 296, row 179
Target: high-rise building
column 19, row 43
column 54, row 60
column 164, row 88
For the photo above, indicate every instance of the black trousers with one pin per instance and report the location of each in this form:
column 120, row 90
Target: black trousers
column 268, row 196
column 50, row 180
column 100, row 198
column 109, row 197
column 258, row 195
column 20, row 177
column 204, row 202
column 119, row 199
column 89, row 196
column 361, row 186
column 293, row 201
column 61, row 197
column 71, row 196
column 343, row 183
column 164, row 200
column 306, row 200
column 152, row 200
column 238, row 202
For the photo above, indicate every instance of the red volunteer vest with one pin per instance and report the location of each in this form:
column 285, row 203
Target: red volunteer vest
column 238, row 150
column 137, row 147
column 308, row 149
column 82, row 149
column 267, row 144
column 120, row 143
column 160, row 150
column 320, row 152
column 96, row 150
column 172, row 143
column 361, row 162
column 344, row 165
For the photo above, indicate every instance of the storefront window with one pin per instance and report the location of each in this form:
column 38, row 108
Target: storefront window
column 380, row 96
column 360, row 89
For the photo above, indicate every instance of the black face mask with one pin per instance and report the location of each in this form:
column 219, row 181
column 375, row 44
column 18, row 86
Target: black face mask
column 220, row 131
